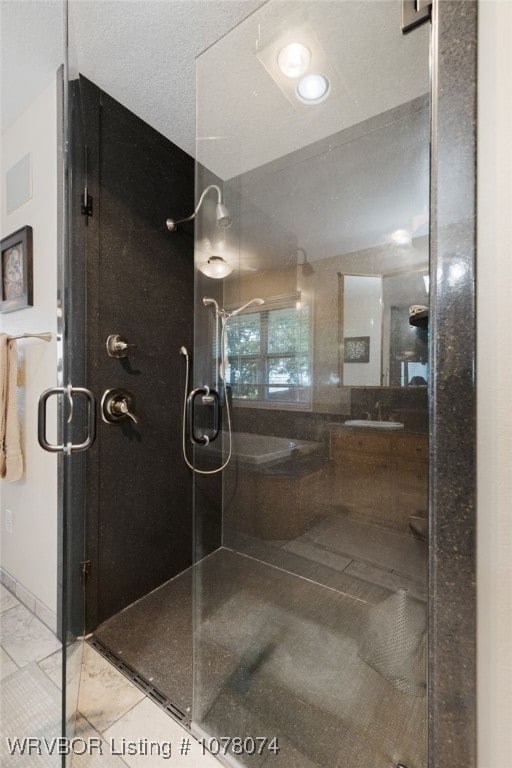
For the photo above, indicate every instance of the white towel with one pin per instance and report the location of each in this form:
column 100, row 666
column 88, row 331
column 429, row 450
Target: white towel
column 11, row 457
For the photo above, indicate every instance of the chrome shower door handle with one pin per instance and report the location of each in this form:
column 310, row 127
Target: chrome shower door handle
column 67, row 448
column 210, row 397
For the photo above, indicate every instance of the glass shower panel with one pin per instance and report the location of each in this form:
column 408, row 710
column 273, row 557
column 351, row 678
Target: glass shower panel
column 310, row 617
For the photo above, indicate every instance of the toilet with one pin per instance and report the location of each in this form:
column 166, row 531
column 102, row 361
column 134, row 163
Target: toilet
column 419, row 526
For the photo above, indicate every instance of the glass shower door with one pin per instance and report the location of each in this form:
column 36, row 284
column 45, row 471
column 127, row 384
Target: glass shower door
column 310, row 577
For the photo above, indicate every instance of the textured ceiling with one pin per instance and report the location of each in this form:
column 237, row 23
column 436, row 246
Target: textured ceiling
column 31, row 50
column 142, row 53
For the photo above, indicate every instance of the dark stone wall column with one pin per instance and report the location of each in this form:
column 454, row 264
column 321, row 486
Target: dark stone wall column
column 452, row 686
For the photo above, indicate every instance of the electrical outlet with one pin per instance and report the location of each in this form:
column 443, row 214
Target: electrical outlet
column 8, row 520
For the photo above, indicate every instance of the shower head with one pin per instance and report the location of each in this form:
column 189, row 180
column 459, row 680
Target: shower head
column 246, row 305
column 222, row 215
column 184, row 351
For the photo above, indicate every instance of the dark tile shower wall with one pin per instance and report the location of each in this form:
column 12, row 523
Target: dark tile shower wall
column 140, row 285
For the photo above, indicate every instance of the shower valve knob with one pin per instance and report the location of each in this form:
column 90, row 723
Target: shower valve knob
column 118, row 347
column 118, row 405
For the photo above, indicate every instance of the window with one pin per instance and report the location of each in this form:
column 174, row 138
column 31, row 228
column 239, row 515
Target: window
column 269, row 354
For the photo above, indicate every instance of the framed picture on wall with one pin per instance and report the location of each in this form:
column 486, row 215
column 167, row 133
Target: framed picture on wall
column 356, row 349
column 16, row 271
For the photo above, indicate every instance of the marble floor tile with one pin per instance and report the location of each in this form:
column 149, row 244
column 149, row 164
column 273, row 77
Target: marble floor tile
column 97, row 756
column 52, row 666
column 7, row 599
column 47, row 616
column 24, row 637
column 30, row 706
column 7, row 665
column 105, row 694
column 388, row 579
column 149, row 722
column 388, row 549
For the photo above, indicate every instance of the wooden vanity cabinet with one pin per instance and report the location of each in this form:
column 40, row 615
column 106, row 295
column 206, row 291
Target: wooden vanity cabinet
column 382, row 476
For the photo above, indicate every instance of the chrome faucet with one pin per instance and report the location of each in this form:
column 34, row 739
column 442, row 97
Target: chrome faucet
column 368, row 415
column 378, row 409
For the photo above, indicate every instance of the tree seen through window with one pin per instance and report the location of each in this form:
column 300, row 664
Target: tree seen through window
column 269, row 355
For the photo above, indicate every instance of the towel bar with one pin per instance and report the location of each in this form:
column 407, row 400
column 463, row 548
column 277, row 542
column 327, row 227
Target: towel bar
column 46, row 336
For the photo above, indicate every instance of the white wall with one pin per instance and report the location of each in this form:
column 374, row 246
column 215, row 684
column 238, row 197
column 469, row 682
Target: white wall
column 494, row 293
column 29, row 554
column 362, row 316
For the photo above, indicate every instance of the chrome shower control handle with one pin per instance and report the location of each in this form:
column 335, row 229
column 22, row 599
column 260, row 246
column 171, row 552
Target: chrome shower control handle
column 118, row 347
column 121, row 408
column 118, row 405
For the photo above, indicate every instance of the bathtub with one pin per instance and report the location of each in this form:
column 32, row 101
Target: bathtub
column 276, row 485
column 264, row 449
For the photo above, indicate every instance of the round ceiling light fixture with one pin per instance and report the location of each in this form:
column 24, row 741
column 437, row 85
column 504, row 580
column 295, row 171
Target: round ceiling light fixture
column 293, row 60
column 401, row 237
column 313, row 89
column 215, row 267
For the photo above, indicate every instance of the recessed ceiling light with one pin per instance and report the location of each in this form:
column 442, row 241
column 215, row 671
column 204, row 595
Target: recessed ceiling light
column 401, row 237
column 293, row 60
column 313, row 89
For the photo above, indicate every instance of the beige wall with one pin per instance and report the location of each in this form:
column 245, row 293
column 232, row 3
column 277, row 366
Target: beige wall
column 494, row 386
column 29, row 553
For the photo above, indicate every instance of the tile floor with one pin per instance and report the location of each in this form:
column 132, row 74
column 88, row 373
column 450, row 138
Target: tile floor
column 111, row 709
column 341, row 551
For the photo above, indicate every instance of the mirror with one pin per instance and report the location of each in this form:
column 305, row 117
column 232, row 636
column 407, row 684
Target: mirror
column 380, row 347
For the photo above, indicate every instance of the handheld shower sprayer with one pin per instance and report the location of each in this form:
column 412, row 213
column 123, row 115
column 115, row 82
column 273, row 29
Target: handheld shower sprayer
column 247, row 304
column 207, row 301
column 222, row 215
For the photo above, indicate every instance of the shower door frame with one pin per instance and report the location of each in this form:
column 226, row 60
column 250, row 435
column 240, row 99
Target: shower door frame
column 452, row 393
column 452, row 388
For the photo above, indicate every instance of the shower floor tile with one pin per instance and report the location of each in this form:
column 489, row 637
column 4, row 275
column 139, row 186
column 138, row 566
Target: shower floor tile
column 275, row 655
column 154, row 635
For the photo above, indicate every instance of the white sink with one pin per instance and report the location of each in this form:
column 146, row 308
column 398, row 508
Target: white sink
column 374, row 424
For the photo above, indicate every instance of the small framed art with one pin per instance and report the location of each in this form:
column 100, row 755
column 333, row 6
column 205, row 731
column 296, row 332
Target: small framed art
column 356, row 349
column 16, row 271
